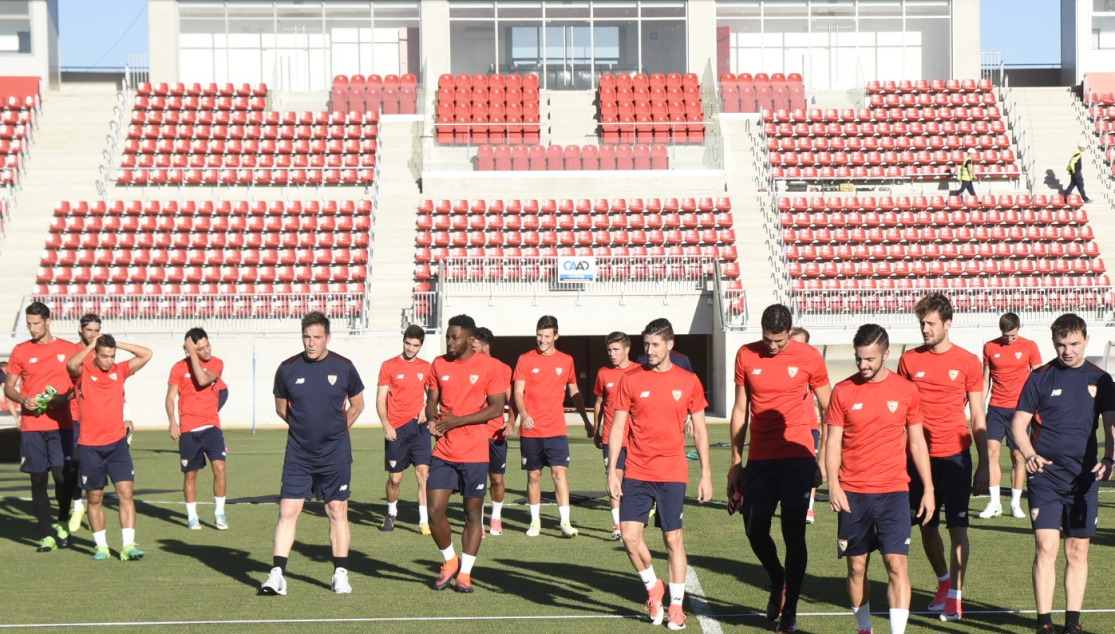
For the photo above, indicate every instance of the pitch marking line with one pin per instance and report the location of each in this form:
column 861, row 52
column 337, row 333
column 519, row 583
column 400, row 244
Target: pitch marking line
column 699, row 603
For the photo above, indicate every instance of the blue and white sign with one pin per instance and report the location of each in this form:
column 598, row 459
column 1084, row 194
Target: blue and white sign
column 576, row 268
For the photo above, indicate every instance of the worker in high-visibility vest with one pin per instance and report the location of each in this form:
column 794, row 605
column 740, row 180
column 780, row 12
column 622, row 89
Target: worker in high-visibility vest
column 967, row 174
column 1076, row 175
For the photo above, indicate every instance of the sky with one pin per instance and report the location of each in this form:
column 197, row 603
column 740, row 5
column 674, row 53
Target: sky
column 103, row 33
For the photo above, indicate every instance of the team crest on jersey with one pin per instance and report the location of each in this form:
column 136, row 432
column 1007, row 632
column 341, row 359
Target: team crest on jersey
column 61, row 358
column 1092, row 390
column 473, row 378
column 558, row 370
column 420, row 376
column 793, row 370
column 112, row 376
column 332, row 378
column 676, row 394
column 892, row 406
column 1017, row 355
column 953, row 374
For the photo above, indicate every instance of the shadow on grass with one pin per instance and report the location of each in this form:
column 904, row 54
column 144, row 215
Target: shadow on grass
column 233, row 563
column 566, row 585
column 361, row 563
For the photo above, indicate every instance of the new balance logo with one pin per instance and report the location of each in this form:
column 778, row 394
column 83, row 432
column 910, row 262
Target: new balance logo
column 344, row 487
column 534, row 371
column 480, row 487
column 907, row 541
column 1056, row 392
column 857, row 406
column 34, row 360
column 919, row 375
column 445, row 377
column 300, row 381
column 996, row 356
column 962, row 514
column 757, row 371
column 644, row 395
column 610, row 384
column 401, row 376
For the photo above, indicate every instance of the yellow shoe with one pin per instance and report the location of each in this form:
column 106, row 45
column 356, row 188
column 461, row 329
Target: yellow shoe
column 424, row 528
column 75, row 520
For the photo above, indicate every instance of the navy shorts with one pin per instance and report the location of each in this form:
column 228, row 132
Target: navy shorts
column 767, row 483
column 410, row 447
column 98, row 464
column 544, row 452
column 621, row 463
column 639, row 496
column 40, row 451
column 470, row 479
column 497, row 456
column 222, row 398
column 952, row 488
column 878, row 521
column 999, row 423
column 69, row 443
column 328, row 483
column 1073, row 511
column 195, row 446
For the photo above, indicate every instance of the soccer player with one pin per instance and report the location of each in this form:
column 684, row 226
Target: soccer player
column 1063, row 400
column 801, row 335
column 194, row 382
column 89, row 326
column 541, row 379
column 400, row 404
column 39, row 366
column 1007, row 362
column 874, row 418
column 606, row 388
column 651, row 407
column 773, row 379
column 499, row 428
column 104, row 436
column 947, row 377
column 311, row 391
column 464, row 392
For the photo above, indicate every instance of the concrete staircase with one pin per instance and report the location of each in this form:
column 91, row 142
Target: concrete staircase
column 568, row 117
column 63, row 165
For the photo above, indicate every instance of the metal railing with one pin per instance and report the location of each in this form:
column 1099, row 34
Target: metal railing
column 117, row 130
column 991, row 67
column 425, row 309
column 137, row 71
column 1021, row 133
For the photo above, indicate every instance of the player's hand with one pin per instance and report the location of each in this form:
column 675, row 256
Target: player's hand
column 736, row 476
column 129, row 427
column 422, row 416
column 1036, row 464
column 824, row 472
column 615, row 485
column 689, row 428
column 508, row 427
column 598, row 440
column 925, row 511
column 190, row 347
column 818, row 475
column 981, row 481
column 704, row 489
column 838, row 500
column 528, row 422
column 389, row 432
column 1102, row 470
column 175, row 432
column 589, row 429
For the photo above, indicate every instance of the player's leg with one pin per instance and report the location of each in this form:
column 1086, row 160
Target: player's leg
column 394, row 483
column 1017, row 479
column 297, row 487
column 557, row 458
column 670, row 500
column 795, row 481
column 78, row 506
column 474, row 478
column 420, row 454
column 859, row 590
column 810, row 516
column 956, row 492
column 898, row 590
column 37, row 462
column 441, row 484
column 1047, row 543
column 760, row 499
column 1076, row 578
column 396, row 460
column 994, row 504
column 189, row 493
column 930, row 532
column 892, row 522
column 340, row 537
column 217, row 452
column 497, row 486
column 855, row 539
column 531, row 450
column 191, row 454
column 64, row 479
column 121, row 470
column 620, row 465
column 635, row 505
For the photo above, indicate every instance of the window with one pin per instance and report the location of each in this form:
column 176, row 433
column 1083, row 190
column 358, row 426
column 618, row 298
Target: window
column 15, row 26
column 1103, row 32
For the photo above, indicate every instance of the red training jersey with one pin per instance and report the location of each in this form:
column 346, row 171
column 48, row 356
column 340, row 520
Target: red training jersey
column 657, row 404
column 495, row 426
column 1010, row 365
column 874, row 417
column 406, row 388
column 546, row 377
column 102, row 405
column 463, row 387
column 607, row 388
column 944, row 381
column 39, row 365
column 197, row 407
column 782, row 414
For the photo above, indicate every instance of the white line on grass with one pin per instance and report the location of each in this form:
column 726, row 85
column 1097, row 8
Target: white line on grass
column 699, row 603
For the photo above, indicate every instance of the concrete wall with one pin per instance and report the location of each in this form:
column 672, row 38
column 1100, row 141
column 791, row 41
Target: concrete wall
column 434, row 35
column 44, row 60
column 162, row 24
column 1068, row 42
column 1086, row 59
column 965, row 39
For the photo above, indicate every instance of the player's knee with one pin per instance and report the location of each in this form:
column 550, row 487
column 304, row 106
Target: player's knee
column 395, row 479
column 674, row 540
column 191, row 476
column 1076, row 550
column 1047, row 548
column 558, row 474
column 422, row 473
column 857, row 568
column 95, row 498
column 218, row 467
column 534, row 477
column 337, row 510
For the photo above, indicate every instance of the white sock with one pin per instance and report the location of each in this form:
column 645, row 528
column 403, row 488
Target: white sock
column 466, row 563
column 423, row 515
column 1016, row 497
column 497, row 510
column 191, row 510
column 563, row 513
column 677, row 593
column 898, row 620
column 994, row 493
column 863, row 616
column 79, row 506
column 811, row 503
column 128, row 535
column 535, row 509
column 954, row 594
column 944, row 579
column 393, row 508
column 100, row 539
column 220, row 502
column 448, row 553
column 649, row 580
column 615, row 516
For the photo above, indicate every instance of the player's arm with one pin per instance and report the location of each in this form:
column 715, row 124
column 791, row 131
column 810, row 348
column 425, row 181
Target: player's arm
column 171, row 414
column 281, row 408
column 987, row 381
column 520, row 392
column 700, row 439
column 10, row 390
column 431, row 405
column 355, row 408
column 140, row 356
column 598, row 418
column 509, row 416
column 919, row 453
column 1103, row 468
column 834, row 456
column 979, row 429
column 1018, row 425
column 579, row 405
column 75, row 365
column 741, row 415
column 615, row 446
column 202, row 375
column 823, row 394
column 381, row 411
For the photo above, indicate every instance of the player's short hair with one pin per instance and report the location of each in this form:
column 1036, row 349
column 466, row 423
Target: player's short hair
column 871, row 334
column 1067, row 324
column 415, row 331
column 934, row 303
column 105, row 341
column 484, row 335
column 547, row 321
column 39, row 309
column 776, row 319
column 618, row 337
column 89, row 318
column 798, row 330
column 315, row 318
column 197, row 334
column 1009, row 322
column 661, row 327
column 464, row 322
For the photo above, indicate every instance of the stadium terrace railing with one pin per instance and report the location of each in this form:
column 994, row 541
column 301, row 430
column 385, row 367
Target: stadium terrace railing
column 137, row 71
column 974, row 307
column 424, row 310
column 117, row 129
column 991, row 67
column 1021, row 133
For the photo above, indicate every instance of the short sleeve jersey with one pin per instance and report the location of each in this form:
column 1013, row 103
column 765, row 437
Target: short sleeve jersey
column 39, row 365
column 406, row 388
column 1010, row 365
column 1067, row 403
column 944, row 381
column 874, row 417
column 197, row 406
column 102, row 403
column 607, row 388
column 657, row 404
column 495, row 426
column 782, row 414
column 463, row 387
column 316, row 392
column 546, row 377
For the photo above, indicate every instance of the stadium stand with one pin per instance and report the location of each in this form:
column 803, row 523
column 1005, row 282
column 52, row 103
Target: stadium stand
column 1101, row 111
column 655, row 108
column 481, row 109
column 357, row 94
column 744, row 93
column 20, row 104
column 572, row 157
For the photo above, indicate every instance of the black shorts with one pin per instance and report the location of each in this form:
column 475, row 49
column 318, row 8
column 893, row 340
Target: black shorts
column 952, row 488
column 40, row 451
column 639, row 496
column 497, row 456
column 621, row 462
column 470, row 479
column 195, row 446
column 877, row 521
column 785, row 481
column 999, row 421
column 328, row 483
column 98, row 464
column 1074, row 511
column 544, row 452
column 410, row 447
